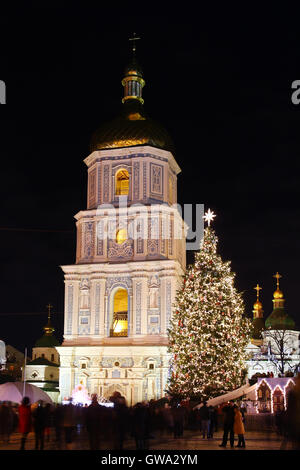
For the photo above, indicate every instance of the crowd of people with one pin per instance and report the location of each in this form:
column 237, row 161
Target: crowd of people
column 108, row 427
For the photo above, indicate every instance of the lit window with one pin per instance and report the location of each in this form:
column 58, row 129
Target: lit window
column 122, row 183
column 120, row 314
column 121, row 236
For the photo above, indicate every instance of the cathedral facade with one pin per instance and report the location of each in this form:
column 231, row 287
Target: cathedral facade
column 129, row 260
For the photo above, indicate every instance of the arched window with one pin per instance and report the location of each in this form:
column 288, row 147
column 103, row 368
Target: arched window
column 120, row 314
column 122, row 183
column 121, row 236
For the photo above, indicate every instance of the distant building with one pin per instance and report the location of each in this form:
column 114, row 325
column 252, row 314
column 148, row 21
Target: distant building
column 272, row 394
column 274, row 346
column 11, row 367
column 43, row 370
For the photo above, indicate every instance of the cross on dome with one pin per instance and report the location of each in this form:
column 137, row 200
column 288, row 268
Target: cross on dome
column 277, row 276
column 133, row 42
column 49, row 307
column 49, row 328
column 257, row 288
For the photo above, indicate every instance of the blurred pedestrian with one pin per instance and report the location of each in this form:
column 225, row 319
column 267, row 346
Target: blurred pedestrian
column 204, row 416
column 212, row 422
column 7, row 421
column 120, row 417
column 168, row 420
column 140, row 426
column 94, row 422
column 178, row 420
column 228, row 413
column 58, row 424
column 39, row 424
column 48, row 421
column 25, row 420
column 238, row 427
column 69, row 424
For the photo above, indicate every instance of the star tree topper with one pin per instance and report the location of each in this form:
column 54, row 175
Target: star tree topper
column 209, row 217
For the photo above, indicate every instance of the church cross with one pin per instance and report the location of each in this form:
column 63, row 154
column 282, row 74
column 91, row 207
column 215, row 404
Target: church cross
column 257, row 288
column 133, row 42
column 49, row 307
column 277, row 276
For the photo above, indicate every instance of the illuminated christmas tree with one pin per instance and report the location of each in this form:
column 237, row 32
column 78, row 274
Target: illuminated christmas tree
column 80, row 395
column 208, row 331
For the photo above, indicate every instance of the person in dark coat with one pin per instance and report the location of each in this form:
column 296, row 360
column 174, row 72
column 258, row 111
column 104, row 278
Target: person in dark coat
column 39, row 425
column 94, row 422
column 48, row 421
column 7, row 421
column 69, row 424
column 58, row 424
column 25, row 420
column 140, row 426
column 120, row 419
column 228, row 412
column 204, row 416
column 212, row 422
column 178, row 419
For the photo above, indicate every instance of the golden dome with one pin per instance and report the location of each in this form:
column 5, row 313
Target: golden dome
column 132, row 127
column 278, row 294
column 257, row 305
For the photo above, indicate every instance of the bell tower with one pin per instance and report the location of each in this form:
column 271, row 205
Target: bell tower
column 130, row 257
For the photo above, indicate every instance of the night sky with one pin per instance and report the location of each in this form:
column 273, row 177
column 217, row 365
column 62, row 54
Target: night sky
column 219, row 82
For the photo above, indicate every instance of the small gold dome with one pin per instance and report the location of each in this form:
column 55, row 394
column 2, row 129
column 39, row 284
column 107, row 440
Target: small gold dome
column 257, row 305
column 278, row 294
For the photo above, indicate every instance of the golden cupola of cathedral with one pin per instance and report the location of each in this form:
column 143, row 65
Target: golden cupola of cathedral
column 132, row 127
column 279, row 319
column 48, row 339
column 258, row 320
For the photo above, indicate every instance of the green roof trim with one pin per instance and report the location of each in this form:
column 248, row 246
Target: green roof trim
column 47, row 341
column 279, row 320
